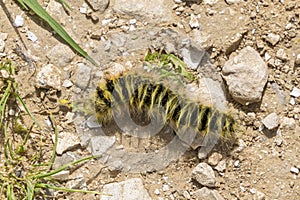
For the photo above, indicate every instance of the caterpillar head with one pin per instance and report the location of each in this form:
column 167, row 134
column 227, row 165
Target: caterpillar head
column 103, row 100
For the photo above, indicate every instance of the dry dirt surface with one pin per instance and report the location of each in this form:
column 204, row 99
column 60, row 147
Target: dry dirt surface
column 263, row 163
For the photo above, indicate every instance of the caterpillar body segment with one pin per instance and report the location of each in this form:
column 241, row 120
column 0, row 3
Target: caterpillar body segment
column 148, row 97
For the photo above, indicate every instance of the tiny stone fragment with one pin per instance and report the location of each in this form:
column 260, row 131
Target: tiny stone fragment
column 271, row 121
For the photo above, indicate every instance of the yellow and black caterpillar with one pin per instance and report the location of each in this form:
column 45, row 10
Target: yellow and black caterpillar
column 143, row 94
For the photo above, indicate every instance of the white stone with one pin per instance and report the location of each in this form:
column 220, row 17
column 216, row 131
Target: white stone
column 67, row 83
column 246, row 76
column 194, row 23
column 83, row 8
column 31, row 36
column 156, row 191
column 295, row 92
column 66, row 141
column 233, row 1
column 294, row 170
column 207, row 194
column 273, row 38
column 139, row 9
column 204, row 174
column 271, row 121
column 62, row 175
column 281, row 54
column 132, row 189
column 210, row 2
column 19, row 21
column 49, row 77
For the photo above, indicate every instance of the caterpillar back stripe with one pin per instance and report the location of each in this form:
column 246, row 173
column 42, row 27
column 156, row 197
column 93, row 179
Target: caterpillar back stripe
column 143, row 95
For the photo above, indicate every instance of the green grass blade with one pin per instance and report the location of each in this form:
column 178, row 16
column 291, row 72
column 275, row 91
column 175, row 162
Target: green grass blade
column 27, row 111
column 43, row 185
column 38, row 9
column 63, row 167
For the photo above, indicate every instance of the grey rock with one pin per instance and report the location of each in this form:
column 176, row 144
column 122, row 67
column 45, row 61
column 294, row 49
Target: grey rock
column 83, row 75
column 49, row 77
column 194, row 57
column 56, row 10
column 132, row 189
column 273, row 38
column 139, row 9
column 214, row 158
column 246, row 75
column 207, row 194
column 271, row 121
column 289, row 123
column 295, row 92
column 60, row 55
column 98, row 5
column 118, row 39
column 66, row 141
column 204, row 174
column 91, row 122
column 100, row 144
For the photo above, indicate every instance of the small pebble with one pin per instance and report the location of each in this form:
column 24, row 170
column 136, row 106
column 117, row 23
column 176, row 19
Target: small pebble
column 273, row 38
column 294, row 170
column 295, row 92
column 31, row 36
column 156, row 191
column 252, row 190
column 67, row 83
column 19, row 21
column 271, row 121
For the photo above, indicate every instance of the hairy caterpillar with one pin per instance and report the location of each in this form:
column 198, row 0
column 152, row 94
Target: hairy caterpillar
column 143, row 94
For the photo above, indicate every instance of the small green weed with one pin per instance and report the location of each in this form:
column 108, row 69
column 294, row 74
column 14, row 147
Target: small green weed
column 165, row 63
column 22, row 174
